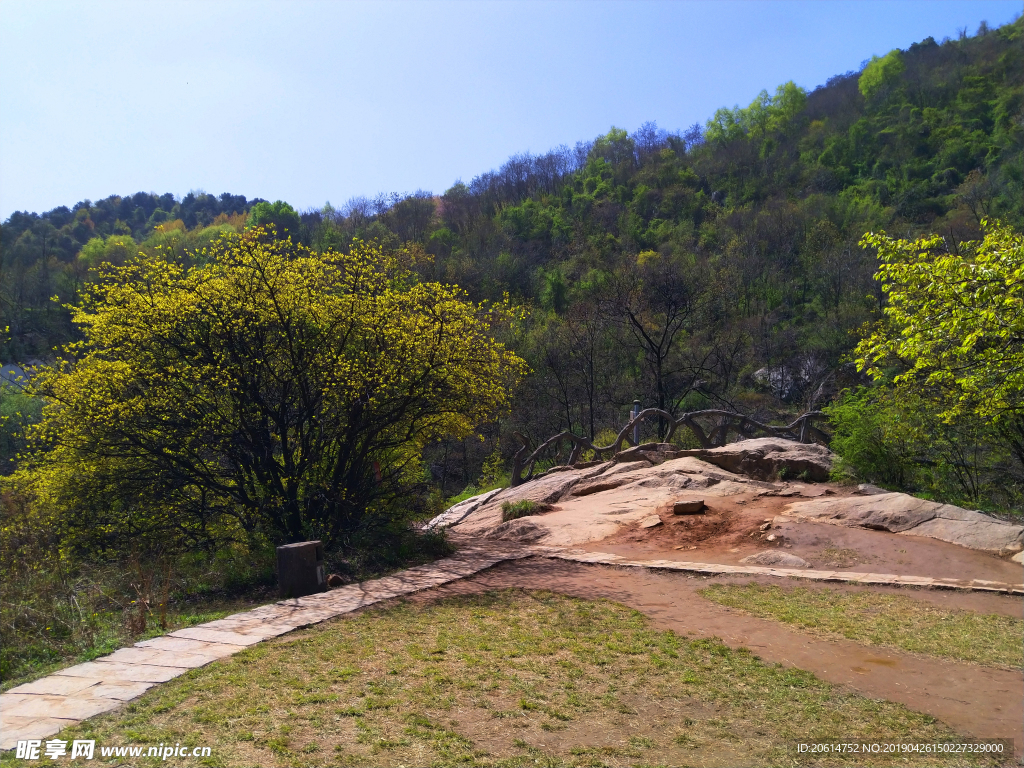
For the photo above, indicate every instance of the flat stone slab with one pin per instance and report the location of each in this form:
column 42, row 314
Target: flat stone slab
column 187, row 645
column 775, row 557
column 217, row 636
column 119, row 691
column 263, row 629
column 55, row 685
column 14, row 729
column 62, row 707
column 157, row 657
column 112, row 672
column 603, row 558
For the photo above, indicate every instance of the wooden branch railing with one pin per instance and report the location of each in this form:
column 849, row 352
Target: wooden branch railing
column 802, row 430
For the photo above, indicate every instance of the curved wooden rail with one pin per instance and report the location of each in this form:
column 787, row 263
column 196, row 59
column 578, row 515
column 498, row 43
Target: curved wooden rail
column 802, row 430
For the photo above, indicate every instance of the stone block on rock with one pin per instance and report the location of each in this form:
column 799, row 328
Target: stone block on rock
column 688, row 507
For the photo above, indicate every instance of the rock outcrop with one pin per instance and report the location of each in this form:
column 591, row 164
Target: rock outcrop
column 767, row 458
column 900, row 513
column 593, row 500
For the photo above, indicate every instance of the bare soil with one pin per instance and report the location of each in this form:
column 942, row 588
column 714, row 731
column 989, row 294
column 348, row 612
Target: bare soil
column 730, row 530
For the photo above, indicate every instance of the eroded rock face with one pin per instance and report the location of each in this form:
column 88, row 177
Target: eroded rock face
column 766, row 458
column 456, row 513
column 523, row 530
column 900, row 513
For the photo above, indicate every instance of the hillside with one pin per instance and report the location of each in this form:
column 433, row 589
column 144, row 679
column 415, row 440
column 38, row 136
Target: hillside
column 715, row 267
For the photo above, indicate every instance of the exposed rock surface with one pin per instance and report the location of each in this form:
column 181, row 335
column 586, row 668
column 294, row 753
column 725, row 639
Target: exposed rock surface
column 594, row 501
column 589, row 502
column 522, row 530
column 900, row 513
column 769, row 457
column 456, row 513
column 774, row 557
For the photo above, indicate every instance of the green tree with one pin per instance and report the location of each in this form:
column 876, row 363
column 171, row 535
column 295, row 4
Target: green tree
column 880, row 72
column 279, row 216
column 954, row 321
column 113, row 249
column 272, row 392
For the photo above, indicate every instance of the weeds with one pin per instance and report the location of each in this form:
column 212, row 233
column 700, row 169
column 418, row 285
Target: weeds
column 524, row 508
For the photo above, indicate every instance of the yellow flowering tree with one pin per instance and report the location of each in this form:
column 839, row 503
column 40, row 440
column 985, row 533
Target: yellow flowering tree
column 273, row 391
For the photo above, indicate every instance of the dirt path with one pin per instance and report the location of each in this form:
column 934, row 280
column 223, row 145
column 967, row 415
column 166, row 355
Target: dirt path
column 977, row 701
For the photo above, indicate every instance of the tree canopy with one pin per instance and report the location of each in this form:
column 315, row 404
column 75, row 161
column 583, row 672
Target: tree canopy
column 273, row 391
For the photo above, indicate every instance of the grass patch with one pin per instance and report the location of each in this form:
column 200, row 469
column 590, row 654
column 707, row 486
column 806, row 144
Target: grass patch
column 524, row 508
column 505, row 679
column 889, row 620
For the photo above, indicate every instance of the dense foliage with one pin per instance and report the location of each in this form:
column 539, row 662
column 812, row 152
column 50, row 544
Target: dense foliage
column 48, row 255
column 947, row 417
column 718, row 266
column 955, row 321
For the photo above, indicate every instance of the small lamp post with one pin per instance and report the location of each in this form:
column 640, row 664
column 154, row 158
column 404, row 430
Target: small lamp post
column 636, row 427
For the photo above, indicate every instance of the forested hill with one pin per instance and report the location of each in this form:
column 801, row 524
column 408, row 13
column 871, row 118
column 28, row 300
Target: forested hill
column 719, row 265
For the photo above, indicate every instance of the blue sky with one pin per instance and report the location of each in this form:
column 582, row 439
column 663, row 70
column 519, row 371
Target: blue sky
column 314, row 101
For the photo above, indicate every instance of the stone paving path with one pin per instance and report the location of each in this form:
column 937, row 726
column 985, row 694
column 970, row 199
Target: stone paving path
column 43, row 707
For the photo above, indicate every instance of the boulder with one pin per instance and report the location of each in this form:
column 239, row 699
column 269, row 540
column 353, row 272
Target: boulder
column 867, row 489
column 650, row 522
column 988, row 535
column 768, row 457
column 774, row 557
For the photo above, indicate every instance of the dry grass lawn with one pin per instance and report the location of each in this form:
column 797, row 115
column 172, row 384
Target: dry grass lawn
column 506, row 678
column 884, row 619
